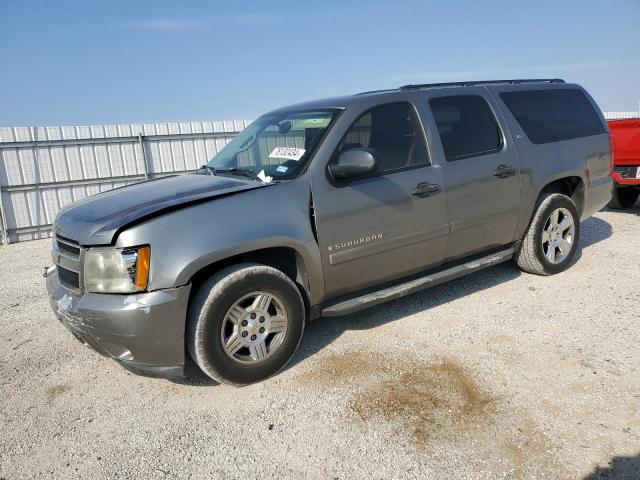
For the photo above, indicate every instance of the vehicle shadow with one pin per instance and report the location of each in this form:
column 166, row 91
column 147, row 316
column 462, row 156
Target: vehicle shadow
column 635, row 209
column 619, row 468
column 594, row 230
column 193, row 376
column 322, row 332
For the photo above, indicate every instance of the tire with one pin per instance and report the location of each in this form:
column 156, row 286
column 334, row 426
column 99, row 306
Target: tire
column 210, row 322
column 623, row 198
column 545, row 258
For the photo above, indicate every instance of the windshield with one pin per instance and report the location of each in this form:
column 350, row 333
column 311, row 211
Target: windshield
column 275, row 144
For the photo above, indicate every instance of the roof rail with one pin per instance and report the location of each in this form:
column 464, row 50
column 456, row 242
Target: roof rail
column 377, row 91
column 482, row 82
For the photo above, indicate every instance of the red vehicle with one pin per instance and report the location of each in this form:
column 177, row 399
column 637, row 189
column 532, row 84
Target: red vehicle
column 625, row 135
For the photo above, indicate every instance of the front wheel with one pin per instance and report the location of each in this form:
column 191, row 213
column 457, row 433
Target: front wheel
column 552, row 237
column 623, row 198
column 245, row 323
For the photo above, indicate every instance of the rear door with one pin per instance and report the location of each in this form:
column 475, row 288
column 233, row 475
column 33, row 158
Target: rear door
column 386, row 225
column 481, row 171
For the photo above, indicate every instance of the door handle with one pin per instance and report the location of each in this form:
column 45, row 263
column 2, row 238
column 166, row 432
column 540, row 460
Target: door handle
column 425, row 189
column 504, row 171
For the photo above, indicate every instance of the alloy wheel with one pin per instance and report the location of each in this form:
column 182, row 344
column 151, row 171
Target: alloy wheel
column 254, row 328
column 558, row 235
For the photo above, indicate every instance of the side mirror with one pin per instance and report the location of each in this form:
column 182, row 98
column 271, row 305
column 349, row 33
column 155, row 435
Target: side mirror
column 354, row 162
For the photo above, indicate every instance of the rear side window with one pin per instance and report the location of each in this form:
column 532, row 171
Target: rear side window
column 393, row 131
column 553, row 115
column 466, row 125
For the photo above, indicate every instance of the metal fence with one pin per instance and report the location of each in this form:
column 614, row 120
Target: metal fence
column 621, row 115
column 45, row 168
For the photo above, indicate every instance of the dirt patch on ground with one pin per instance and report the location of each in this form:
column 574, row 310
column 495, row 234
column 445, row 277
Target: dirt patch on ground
column 436, row 403
column 55, row 391
column 338, row 368
column 427, row 400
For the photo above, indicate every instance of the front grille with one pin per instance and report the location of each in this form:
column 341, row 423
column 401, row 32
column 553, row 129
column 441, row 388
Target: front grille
column 68, row 278
column 68, row 247
column 67, row 255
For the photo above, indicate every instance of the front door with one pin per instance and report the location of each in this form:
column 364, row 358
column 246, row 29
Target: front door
column 388, row 224
column 481, row 173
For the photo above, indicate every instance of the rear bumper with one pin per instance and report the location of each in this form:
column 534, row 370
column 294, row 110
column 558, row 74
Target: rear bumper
column 144, row 332
column 597, row 195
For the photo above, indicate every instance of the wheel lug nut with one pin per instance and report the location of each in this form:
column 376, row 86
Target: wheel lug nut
column 253, row 315
column 244, row 334
column 261, row 319
column 253, row 337
column 262, row 330
column 244, row 323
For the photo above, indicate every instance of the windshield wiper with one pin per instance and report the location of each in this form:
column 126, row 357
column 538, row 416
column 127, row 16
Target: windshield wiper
column 208, row 169
column 237, row 171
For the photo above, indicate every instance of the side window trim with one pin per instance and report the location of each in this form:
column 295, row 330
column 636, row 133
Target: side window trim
column 420, row 131
column 501, row 135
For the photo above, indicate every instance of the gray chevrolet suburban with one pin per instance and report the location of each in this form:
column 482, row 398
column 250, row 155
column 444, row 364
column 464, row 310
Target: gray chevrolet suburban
column 323, row 209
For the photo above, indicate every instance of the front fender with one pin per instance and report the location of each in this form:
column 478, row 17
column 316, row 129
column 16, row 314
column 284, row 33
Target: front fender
column 185, row 241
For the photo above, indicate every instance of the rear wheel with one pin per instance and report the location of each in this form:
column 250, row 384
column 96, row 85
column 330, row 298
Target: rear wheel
column 552, row 237
column 624, row 197
column 245, row 323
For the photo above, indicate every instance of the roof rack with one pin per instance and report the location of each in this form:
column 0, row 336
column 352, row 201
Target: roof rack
column 377, row 91
column 482, row 82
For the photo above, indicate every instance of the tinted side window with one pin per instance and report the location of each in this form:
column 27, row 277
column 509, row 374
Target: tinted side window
column 466, row 126
column 393, row 132
column 553, row 115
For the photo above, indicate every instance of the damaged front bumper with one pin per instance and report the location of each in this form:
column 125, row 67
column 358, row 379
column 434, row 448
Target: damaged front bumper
column 143, row 331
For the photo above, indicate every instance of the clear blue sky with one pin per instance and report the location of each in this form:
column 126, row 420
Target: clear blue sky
column 85, row 62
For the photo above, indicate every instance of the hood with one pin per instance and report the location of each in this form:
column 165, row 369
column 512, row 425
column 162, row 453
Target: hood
column 98, row 219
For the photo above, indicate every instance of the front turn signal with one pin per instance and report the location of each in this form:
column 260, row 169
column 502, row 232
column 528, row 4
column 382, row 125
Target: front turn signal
column 142, row 270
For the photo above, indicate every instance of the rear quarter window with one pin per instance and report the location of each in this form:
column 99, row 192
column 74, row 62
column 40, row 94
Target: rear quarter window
column 553, row 115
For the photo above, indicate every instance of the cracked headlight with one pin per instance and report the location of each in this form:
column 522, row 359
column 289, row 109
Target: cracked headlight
column 116, row 270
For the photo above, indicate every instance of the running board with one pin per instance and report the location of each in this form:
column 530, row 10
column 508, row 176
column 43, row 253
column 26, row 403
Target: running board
column 370, row 299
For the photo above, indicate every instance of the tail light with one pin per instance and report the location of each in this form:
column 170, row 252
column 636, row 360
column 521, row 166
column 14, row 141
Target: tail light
column 611, row 166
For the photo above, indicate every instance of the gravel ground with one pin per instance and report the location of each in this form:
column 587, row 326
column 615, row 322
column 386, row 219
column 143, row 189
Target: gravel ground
column 496, row 375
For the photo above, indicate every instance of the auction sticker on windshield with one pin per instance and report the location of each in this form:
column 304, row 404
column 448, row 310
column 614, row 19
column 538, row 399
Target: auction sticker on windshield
column 288, row 153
